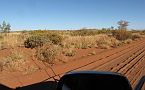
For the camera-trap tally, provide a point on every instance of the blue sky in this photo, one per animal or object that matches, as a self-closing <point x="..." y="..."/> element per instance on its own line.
<point x="71" y="14"/>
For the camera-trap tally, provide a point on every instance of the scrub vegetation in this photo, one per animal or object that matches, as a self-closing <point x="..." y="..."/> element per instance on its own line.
<point x="48" y="46"/>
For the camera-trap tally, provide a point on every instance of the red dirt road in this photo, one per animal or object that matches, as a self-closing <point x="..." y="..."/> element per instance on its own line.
<point x="128" y="60"/>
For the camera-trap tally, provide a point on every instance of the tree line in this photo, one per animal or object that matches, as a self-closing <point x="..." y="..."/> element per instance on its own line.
<point x="6" y="27"/>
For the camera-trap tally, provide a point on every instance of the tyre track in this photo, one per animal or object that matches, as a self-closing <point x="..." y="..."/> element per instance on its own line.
<point x="117" y="60"/>
<point x="100" y="57"/>
<point x="128" y="60"/>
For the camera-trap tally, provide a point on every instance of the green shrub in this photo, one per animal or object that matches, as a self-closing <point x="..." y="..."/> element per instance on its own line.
<point x="121" y="34"/>
<point x="35" y="41"/>
<point x="47" y="53"/>
<point x="55" y="38"/>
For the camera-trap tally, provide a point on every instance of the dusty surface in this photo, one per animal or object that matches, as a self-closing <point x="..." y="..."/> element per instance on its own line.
<point x="128" y="60"/>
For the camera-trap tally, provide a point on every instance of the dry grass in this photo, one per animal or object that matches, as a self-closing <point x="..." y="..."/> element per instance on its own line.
<point x="69" y="52"/>
<point x="105" y="42"/>
<point x="49" y="52"/>
<point x="128" y="41"/>
<point x="11" y="40"/>
<point x="137" y="36"/>
<point x="121" y="34"/>
<point x="79" y="42"/>
<point x="83" y="42"/>
<point x="13" y="62"/>
<point x="16" y="61"/>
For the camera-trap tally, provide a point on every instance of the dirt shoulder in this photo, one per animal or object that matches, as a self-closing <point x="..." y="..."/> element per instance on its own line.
<point x="85" y="59"/>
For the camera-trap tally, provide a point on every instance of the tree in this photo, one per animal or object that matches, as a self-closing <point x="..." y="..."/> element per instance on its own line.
<point x="112" y="28"/>
<point x="8" y="28"/>
<point x="123" y="24"/>
<point x="5" y="28"/>
<point x="0" y="29"/>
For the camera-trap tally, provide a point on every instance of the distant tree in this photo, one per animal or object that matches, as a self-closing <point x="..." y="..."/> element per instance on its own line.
<point x="5" y="28"/>
<point x="104" y="29"/>
<point x="8" y="28"/>
<point x="112" y="28"/>
<point x="123" y="25"/>
<point x="0" y="29"/>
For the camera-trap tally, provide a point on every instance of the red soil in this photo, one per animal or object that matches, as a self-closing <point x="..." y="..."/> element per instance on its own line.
<point x="128" y="60"/>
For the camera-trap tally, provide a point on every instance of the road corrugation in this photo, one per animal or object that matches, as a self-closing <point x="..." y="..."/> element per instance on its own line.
<point x="128" y="60"/>
<point x="123" y="61"/>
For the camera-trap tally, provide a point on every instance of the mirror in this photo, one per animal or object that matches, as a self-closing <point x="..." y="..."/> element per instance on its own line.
<point x="91" y="80"/>
<point x="141" y="84"/>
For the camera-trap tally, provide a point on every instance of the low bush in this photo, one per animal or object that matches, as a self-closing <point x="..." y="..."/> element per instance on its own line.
<point x="136" y="36"/>
<point x="104" y="31"/>
<point x="143" y="32"/>
<point x="128" y="41"/>
<point x="47" y="53"/>
<point x="39" y="32"/>
<point x="103" y="44"/>
<point x="106" y="42"/>
<point x="121" y="34"/>
<point x="55" y="38"/>
<point x="35" y="41"/>
<point x="13" y="62"/>
<point x="69" y="52"/>
<point x="17" y="61"/>
<point x="84" y="32"/>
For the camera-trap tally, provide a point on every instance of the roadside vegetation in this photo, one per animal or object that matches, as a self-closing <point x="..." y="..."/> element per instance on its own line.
<point x="50" y="45"/>
<point x="16" y="61"/>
